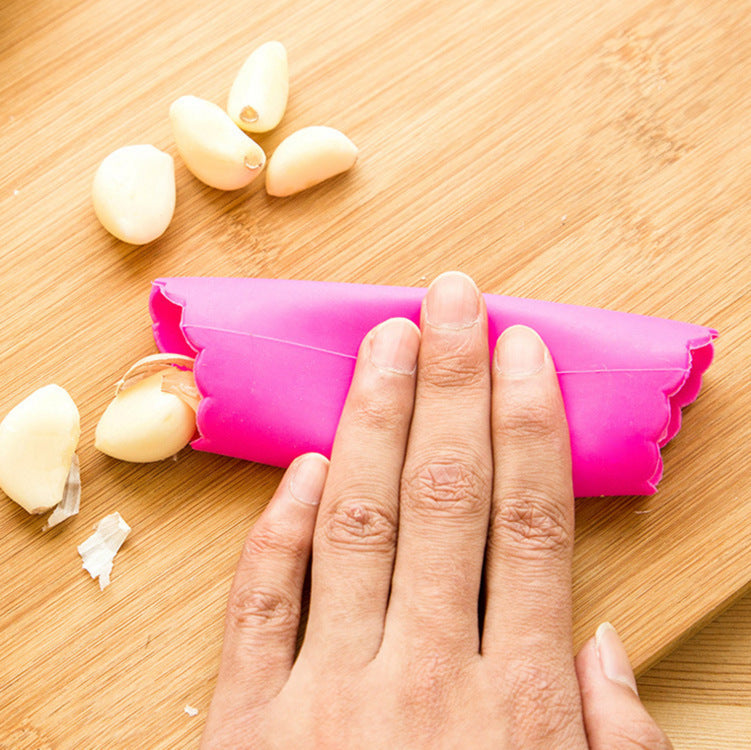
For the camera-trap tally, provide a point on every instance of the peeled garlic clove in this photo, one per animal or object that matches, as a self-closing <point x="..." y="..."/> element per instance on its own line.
<point x="307" y="157"/>
<point x="258" y="96"/>
<point x="144" y="423"/>
<point x="134" y="193"/>
<point x="38" y="439"/>
<point x="213" y="148"/>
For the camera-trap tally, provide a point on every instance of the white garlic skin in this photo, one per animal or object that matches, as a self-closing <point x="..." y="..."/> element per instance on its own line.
<point x="134" y="193"/>
<point x="38" y="438"/>
<point x="144" y="424"/>
<point x="307" y="157"/>
<point x="258" y="97"/>
<point x="213" y="148"/>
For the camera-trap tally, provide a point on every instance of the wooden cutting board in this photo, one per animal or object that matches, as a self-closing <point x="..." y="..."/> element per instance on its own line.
<point x="593" y="153"/>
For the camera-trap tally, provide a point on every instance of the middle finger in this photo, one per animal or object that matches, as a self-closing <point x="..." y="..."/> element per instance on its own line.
<point x="447" y="477"/>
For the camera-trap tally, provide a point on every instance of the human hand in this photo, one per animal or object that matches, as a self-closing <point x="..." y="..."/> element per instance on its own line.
<point x="446" y="471"/>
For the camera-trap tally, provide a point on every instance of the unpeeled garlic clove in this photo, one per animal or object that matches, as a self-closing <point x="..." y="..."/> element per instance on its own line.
<point x="258" y="96"/>
<point x="38" y="439"/>
<point x="307" y="157"/>
<point x="213" y="148"/>
<point x="134" y="193"/>
<point x="177" y="376"/>
<point x="144" y="423"/>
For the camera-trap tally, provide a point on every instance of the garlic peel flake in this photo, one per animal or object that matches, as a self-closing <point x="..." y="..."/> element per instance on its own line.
<point x="71" y="502"/>
<point x="151" y="365"/>
<point x="99" y="550"/>
<point x="181" y="383"/>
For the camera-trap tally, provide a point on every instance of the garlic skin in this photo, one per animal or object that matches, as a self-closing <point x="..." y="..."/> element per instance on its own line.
<point x="99" y="550"/>
<point x="156" y="363"/>
<point x="70" y="503"/>
<point x="307" y="157"/>
<point x="38" y="439"/>
<point x="134" y="193"/>
<point x="213" y="148"/>
<point x="258" y="97"/>
<point x="144" y="424"/>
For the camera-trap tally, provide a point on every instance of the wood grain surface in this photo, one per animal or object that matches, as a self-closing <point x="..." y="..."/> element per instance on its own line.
<point x="701" y="693"/>
<point x="592" y="153"/>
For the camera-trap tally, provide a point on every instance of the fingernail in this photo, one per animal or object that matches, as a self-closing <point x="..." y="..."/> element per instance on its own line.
<point x="613" y="657"/>
<point x="453" y="301"/>
<point x="307" y="478"/>
<point x="395" y="346"/>
<point x="519" y="352"/>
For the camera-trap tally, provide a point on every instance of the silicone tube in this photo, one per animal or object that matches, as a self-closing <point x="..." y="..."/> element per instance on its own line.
<point x="274" y="360"/>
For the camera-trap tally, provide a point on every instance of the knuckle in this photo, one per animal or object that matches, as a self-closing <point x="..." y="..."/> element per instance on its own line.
<point x="280" y="541"/>
<point x="425" y="684"/>
<point x="378" y="410"/>
<point x="543" y="706"/>
<point x="356" y="523"/>
<point x="455" y="362"/>
<point x="251" y="606"/>
<point x="523" y="420"/>
<point x="530" y="521"/>
<point x="441" y="484"/>
<point x="428" y="675"/>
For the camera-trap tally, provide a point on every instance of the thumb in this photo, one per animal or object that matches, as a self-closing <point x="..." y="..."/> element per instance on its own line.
<point x="614" y="717"/>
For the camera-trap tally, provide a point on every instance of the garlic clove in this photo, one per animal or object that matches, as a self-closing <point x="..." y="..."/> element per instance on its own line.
<point x="134" y="193"/>
<point x="38" y="439"/>
<point x="143" y="423"/>
<point x="307" y="157"/>
<point x="213" y="148"/>
<point x="258" y="96"/>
